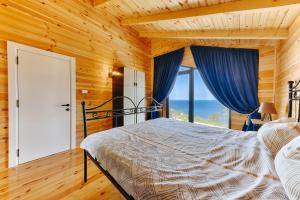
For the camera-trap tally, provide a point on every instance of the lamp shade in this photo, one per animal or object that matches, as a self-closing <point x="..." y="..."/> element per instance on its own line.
<point x="267" y="107"/>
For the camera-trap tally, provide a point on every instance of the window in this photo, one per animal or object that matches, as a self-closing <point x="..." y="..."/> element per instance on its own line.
<point x="208" y="109"/>
<point x="179" y="99"/>
<point x="190" y="100"/>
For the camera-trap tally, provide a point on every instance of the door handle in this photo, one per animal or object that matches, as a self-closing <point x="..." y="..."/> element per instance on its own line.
<point x="66" y="105"/>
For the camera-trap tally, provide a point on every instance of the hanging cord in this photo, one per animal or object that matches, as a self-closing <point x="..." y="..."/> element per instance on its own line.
<point x="253" y="111"/>
<point x="248" y="116"/>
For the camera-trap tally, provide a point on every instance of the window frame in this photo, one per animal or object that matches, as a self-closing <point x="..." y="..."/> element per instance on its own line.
<point x="190" y="72"/>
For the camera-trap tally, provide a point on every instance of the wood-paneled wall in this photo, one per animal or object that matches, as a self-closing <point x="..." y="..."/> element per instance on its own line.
<point x="288" y="67"/>
<point x="267" y="63"/>
<point x="76" y="29"/>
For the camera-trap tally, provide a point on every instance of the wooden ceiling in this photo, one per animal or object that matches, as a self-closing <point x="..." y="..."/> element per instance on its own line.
<point x="205" y="19"/>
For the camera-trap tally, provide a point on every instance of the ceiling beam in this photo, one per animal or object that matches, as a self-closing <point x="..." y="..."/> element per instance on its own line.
<point x="99" y="2"/>
<point x="235" y="6"/>
<point x="267" y="34"/>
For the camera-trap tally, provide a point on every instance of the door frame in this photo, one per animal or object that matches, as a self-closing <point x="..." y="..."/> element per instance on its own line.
<point x="12" y="61"/>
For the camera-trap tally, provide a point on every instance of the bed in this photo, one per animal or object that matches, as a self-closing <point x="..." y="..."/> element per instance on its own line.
<point x="169" y="159"/>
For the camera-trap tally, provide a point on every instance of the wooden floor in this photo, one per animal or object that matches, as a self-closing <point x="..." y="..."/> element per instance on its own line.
<point x="56" y="177"/>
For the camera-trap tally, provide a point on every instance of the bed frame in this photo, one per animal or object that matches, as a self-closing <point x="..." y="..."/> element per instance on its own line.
<point x="95" y="113"/>
<point x="98" y="113"/>
<point x="294" y="98"/>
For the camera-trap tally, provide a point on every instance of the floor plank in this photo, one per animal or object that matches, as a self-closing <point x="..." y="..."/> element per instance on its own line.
<point x="59" y="176"/>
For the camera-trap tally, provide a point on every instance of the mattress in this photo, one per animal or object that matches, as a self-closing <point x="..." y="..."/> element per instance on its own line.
<point x="169" y="159"/>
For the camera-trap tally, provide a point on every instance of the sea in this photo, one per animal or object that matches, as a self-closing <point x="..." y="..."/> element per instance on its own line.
<point x="202" y="108"/>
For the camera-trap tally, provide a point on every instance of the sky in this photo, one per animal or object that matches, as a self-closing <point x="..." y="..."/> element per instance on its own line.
<point x="181" y="88"/>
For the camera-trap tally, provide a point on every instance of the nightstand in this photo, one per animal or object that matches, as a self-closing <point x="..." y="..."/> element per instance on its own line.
<point x="258" y="123"/>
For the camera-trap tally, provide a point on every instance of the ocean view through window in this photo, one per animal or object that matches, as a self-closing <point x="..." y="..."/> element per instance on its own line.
<point x="206" y="109"/>
<point x="179" y="99"/>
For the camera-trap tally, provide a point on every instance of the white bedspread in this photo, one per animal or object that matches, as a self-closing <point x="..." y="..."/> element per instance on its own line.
<point x="169" y="159"/>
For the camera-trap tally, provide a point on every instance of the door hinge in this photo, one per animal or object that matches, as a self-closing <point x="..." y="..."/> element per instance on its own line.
<point x="18" y="152"/>
<point x="17" y="60"/>
<point x="18" y="103"/>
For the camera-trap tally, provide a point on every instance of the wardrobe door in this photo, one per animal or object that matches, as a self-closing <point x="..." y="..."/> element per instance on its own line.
<point x="140" y="79"/>
<point x="129" y="91"/>
<point x="129" y="77"/>
<point x="140" y="94"/>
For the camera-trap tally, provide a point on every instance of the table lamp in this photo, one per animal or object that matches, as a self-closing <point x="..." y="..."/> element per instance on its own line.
<point x="267" y="109"/>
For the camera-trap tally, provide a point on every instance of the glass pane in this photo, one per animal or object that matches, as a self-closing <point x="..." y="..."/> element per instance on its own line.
<point x="179" y="99"/>
<point x="183" y="68"/>
<point x="207" y="109"/>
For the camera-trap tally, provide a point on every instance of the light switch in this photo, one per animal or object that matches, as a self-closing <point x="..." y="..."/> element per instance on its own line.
<point x="84" y="91"/>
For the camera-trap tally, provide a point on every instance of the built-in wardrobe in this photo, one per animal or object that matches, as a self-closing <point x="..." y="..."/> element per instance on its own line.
<point x="130" y="83"/>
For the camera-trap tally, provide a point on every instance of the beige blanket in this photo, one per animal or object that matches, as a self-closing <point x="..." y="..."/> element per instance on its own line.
<point x="169" y="159"/>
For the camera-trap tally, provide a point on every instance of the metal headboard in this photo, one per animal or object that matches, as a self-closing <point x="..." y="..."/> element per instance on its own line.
<point x="96" y="113"/>
<point x="294" y="97"/>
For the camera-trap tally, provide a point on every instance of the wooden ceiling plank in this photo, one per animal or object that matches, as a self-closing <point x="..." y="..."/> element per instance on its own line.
<point x="99" y="2"/>
<point x="266" y="34"/>
<point x="235" y="6"/>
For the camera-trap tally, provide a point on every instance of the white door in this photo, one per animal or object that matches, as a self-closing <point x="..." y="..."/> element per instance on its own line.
<point x="129" y="92"/>
<point x="129" y="77"/>
<point x="43" y="87"/>
<point x="140" y="79"/>
<point x="140" y="94"/>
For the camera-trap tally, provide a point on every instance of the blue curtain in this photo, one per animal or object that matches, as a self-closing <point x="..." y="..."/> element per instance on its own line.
<point x="165" y="71"/>
<point x="231" y="75"/>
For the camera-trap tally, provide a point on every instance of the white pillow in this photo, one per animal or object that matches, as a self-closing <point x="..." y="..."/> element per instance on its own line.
<point x="287" y="165"/>
<point x="274" y="135"/>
